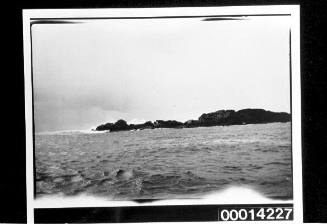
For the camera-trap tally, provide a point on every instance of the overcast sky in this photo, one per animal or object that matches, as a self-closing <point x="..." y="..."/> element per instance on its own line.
<point x="90" y="73"/>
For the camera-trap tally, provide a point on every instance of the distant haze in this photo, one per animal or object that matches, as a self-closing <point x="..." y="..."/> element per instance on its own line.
<point x="85" y="74"/>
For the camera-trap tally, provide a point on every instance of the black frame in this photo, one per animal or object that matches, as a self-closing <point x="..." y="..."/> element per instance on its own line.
<point x="313" y="91"/>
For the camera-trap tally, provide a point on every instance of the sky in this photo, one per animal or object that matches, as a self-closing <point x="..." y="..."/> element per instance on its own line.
<point x="86" y="74"/>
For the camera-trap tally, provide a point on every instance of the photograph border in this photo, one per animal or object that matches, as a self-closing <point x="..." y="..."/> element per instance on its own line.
<point x="37" y="16"/>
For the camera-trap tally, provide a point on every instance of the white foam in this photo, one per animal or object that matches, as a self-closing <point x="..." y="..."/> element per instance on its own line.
<point x="231" y="195"/>
<point x="136" y="121"/>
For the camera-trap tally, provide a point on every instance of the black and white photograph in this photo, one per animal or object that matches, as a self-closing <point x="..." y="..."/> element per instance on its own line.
<point x="162" y="106"/>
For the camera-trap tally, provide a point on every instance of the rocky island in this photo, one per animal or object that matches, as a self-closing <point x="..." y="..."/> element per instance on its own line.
<point x="218" y="118"/>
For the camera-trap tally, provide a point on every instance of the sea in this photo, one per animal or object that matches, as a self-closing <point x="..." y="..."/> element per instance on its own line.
<point x="165" y="163"/>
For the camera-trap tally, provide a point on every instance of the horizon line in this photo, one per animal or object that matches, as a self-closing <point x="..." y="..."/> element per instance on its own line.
<point x="145" y="120"/>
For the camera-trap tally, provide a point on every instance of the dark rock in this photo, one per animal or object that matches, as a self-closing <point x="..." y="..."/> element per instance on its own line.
<point x="146" y="125"/>
<point x="167" y="124"/>
<point x="246" y="116"/>
<point x="255" y="116"/>
<point x="191" y="123"/>
<point x="104" y="127"/>
<point x="120" y="125"/>
<point x="220" y="117"/>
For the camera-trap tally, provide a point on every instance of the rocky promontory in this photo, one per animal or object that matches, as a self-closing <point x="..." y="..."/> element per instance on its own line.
<point x="218" y="118"/>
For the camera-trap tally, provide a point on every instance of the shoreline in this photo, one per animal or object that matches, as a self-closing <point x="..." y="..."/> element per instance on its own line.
<point x="218" y="118"/>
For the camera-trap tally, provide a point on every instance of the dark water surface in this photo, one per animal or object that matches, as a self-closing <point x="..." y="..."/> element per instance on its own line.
<point x="166" y="163"/>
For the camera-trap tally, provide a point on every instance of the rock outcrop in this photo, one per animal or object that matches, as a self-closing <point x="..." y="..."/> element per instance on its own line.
<point x="246" y="116"/>
<point x="104" y="127"/>
<point x="220" y="117"/>
<point x="146" y="125"/>
<point x="120" y="125"/>
<point x="191" y="123"/>
<point x="167" y="124"/>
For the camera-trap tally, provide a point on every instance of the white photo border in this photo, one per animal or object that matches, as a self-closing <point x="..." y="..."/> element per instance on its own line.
<point x="32" y="15"/>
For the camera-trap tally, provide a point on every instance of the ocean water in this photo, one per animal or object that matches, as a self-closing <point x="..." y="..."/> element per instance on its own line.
<point x="165" y="163"/>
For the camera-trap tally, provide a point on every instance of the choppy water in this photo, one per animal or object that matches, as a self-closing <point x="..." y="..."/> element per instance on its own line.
<point x="166" y="163"/>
